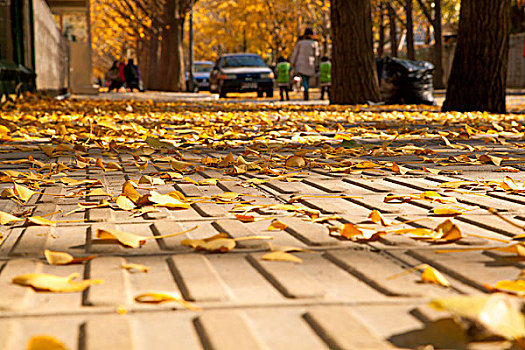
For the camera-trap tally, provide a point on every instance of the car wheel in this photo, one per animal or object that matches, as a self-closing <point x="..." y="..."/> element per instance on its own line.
<point x="260" y="93"/>
<point x="269" y="93"/>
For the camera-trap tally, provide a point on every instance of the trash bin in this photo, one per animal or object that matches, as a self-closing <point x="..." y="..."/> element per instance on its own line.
<point x="405" y="82"/>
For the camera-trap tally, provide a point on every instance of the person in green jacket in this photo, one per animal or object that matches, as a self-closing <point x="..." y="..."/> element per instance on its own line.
<point x="283" y="77"/>
<point x="325" y="72"/>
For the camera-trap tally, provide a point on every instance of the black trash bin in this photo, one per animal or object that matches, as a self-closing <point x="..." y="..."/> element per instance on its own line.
<point x="405" y="82"/>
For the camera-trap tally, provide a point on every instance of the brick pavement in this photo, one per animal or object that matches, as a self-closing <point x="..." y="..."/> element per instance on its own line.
<point x="339" y="297"/>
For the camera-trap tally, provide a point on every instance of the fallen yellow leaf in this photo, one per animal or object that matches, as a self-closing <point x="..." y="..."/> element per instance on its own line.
<point x="6" y="218"/>
<point x="282" y="256"/>
<point x="431" y="275"/>
<point x="52" y="283"/>
<point x="45" y="342"/>
<point x="276" y="225"/>
<point x="63" y="258"/>
<point x="157" y="298"/>
<point x="135" y="267"/>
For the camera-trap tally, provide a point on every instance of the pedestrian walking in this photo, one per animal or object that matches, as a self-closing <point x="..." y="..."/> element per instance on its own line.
<point x="132" y="76"/>
<point x="112" y="77"/>
<point x="305" y="59"/>
<point x="283" y="69"/>
<point x="325" y="76"/>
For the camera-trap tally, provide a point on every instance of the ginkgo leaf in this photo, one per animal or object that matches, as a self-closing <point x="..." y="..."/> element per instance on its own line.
<point x="488" y="158"/>
<point x="6" y="218"/>
<point x="157" y="298"/>
<point x="100" y="164"/>
<point x="375" y="216"/>
<point x="135" y="267"/>
<point x="143" y="166"/>
<point x="432" y="171"/>
<point x="446" y="212"/>
<point x="125" y="238"/>
<point x="227" y="196"/>
<point x="277" y="225"/>
<point x="295" y="162"/>
<point x="98" y="192"/>
<point x="52" y="283"/>
<point x="167" y="201"/>
<point x="517" y="286"/>
<point x="38" y="220"/>
<point x="518" y="249"/>
<point x="114" y="166"/>
<point x="158" y="144"/>
<point x="498" y="313"/>
<point x="431" y="275"/>
<point x="129" y="191"/>
<point x="125" y="203"/>
<point x="208" y="182"/>
<point x="284" y="248"/>
<point x="23" y="193"/>
<point x="45" y="342"/>
<point x="397" y="169"/>
<point x="355" y="232"/>
<point x="245" y="218"/>
<point x="282" y="256"/>
<point x="63" y="258"/>
<point x="217" y="245"/>
<point x="227" y="161"/>
<point x="178" y="165"/>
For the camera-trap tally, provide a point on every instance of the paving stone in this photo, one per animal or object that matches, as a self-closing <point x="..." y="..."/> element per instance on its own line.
<point x="33" y="241"/>
<point x="236" y="229"/>
<point x="380" y="277"/>
<point x="114" y="290"/>
<point x="288" y="278"/>
<point x="14" y="297"/>
<point x="97" y="335"/>
<point x="472" y="268"/>
<point x="338" y="328"/>
<point x="197" y="278"/>
<point x="100" y="215"/>
<point x="311" y="234"/>
<point x="216" y="326"/>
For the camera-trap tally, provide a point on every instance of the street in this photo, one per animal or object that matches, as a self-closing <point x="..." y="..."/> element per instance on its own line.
<point x="300" y="262"/>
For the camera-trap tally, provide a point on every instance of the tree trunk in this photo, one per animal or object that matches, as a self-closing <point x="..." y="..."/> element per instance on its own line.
<point x="353" y="63"/>
<point x="152" y="82"/>
<point x="439" y="79"/>
<point x="167" y="67"/>
<point x="381" y="44"/>
<point x="479" y="71"/>
<point x="409" y="7"/>
<point x="393" y="31"/>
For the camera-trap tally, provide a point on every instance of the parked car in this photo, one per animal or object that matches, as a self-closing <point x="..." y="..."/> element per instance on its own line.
<point x="241" y="72"/>
<point x="201" y="76"/>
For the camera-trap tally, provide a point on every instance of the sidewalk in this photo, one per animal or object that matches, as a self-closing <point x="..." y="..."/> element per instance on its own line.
<point x="340" y="295"/>
<point x="158" y="96"/>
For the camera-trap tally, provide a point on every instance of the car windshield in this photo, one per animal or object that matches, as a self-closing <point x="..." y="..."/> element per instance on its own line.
<point x="243" y="61"/>
<point x="202" y="68"/>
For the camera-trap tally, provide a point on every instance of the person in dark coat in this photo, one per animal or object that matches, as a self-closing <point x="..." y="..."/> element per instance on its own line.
<point x="132" y="76"/>
<point x="112" y="77"/>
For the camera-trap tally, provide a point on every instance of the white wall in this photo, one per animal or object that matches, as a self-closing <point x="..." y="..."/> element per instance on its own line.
<point x="50" y="50"/>
<point x="516" y="70"/>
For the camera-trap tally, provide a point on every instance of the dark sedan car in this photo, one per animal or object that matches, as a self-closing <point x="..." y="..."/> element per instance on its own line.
<point x="241" y="73"/>
<point x="201" y="76"/>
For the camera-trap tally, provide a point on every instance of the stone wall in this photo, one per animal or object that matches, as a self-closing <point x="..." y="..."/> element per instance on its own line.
<point x="51" y="51"/>
<point x="516" y="72"/>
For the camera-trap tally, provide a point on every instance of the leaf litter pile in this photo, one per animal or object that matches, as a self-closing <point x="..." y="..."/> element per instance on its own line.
<point x="160" y="146"/>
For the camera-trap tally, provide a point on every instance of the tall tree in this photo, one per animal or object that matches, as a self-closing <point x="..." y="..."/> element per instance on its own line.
<point x="409" y="9"/>
<point x="435" y="19"/>
<point x="354" y="71"/>
<point x="479" y="71"/>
